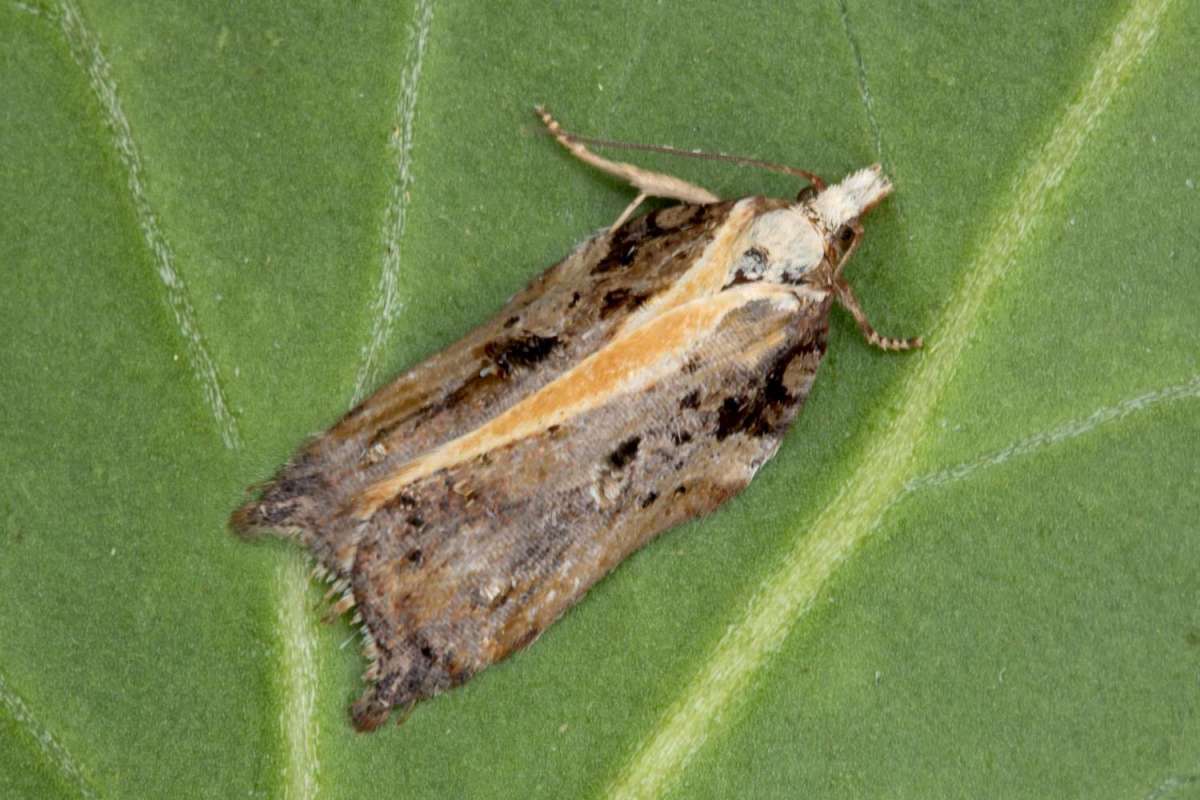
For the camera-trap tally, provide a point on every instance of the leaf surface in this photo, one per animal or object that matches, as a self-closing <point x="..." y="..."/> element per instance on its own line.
<point x="969" y="571"/>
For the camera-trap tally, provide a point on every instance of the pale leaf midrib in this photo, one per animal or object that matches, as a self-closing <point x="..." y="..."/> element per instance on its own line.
<point x="882" y="471"/>
<point x="298" y="680"/>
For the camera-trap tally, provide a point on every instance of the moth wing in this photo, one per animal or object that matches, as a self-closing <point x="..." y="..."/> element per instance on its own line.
<point x="471" y="550"/>
<point x="568" y="312"/>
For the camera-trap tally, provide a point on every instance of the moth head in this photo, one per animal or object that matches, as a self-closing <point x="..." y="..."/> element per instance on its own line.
<point x="845" y="202"/>
<point x="839" y="208"/>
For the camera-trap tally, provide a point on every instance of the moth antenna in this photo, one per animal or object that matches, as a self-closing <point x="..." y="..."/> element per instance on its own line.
<point x="742" y="161"/>
<point x="846" y="296"/>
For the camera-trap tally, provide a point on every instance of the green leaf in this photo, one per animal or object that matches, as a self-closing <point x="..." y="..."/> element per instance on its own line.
<point x="969" y="571"/>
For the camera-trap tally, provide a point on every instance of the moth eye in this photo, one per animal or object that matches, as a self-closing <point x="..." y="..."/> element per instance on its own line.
<point x="806" y="194"/>
<point x="845" y="234"/>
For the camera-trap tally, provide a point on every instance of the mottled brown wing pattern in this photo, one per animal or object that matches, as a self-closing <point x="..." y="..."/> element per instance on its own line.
<point x="569" y="311"/>
<point x="467" y="564"/>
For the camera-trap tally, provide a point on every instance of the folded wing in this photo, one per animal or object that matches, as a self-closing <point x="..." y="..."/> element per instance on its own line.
<point x="474" y="547"/>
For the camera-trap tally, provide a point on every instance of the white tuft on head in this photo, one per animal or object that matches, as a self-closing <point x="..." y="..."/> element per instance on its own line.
<point x="857" y="193"/>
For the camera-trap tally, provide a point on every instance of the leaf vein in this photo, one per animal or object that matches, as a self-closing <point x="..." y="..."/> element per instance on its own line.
<point x="1061" y="433"/>
<point x="388" y="306"/>
<point x="52" y="750"/>
<point x="298" y="675"/>
<point x="864" y="88"/>
<point x="85" y="49"/>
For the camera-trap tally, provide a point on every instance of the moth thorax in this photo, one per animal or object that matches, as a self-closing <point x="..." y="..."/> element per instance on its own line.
<point x="781" y="247"/>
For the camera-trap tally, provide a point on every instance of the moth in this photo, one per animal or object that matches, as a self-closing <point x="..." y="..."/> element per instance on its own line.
<point x="640" y="382"/>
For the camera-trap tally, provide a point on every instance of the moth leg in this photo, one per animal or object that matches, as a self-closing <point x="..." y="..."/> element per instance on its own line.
<point x="845" y="296"/>
<point x="628" y="212"/>
<point x="648" y="184"/>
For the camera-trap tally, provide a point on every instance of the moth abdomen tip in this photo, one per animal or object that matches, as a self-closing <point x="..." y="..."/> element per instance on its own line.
<point x="369" y="711"/>
<point x="258" y="518"/>
<point x="246" y="522"/>
<point x="284" y="506"/>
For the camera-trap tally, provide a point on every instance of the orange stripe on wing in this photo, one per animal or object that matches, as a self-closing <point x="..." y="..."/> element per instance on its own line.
<point x="628" y="363"/>
<point x="708" y="274"/>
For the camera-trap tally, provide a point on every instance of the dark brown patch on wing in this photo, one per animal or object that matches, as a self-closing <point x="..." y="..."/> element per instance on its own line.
<point x="625" y="452"/>
<point x="762" y="409"/>
<point x="525" y="351"/>
<point x="622" y="250"/>
<point x="622" y="297"/>
<point x="668" y="226"/>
